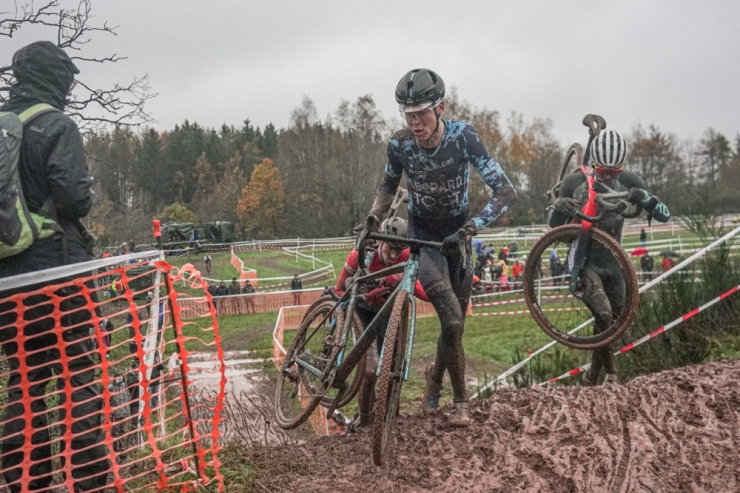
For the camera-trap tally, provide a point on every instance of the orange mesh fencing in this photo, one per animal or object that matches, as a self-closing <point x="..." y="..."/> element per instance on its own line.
<point x="86" y="400"/>
<point x="244" y="273"/>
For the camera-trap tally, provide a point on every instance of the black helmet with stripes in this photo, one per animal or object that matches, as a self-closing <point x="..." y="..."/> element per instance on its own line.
<point x="609" y="149"/>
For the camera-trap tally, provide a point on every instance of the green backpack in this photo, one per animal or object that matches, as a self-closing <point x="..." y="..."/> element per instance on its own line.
<point x="19" y="227"/>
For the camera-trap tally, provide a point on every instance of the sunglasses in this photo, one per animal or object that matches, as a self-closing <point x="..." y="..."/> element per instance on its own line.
<point x="607" y="173"/>
<point x="419" y="115"/>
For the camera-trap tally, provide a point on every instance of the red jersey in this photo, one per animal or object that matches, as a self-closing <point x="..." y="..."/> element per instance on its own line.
<point x="516" y="270"/>
<point x="351" y="265"/>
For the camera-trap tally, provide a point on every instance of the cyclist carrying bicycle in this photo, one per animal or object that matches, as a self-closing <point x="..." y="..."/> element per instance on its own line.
<point x="375" y="295"/>
<point x="603" y="281"/>
<point x="436" y="156"/>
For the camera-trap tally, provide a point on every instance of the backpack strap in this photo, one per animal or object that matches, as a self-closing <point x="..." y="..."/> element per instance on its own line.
<point x="50" y="225"/>
<point x="30" y="114"/>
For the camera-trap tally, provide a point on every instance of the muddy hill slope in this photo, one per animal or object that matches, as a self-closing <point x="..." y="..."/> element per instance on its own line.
<point x="677" y="430"/>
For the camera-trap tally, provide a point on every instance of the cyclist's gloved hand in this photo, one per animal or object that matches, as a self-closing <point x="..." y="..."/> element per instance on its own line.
<point x="453" y="244"/>
<point x="369" y="225"/>
<point x="378" y="296"/>
<point x="637" y="196"/>
<point x="568" y="206"/>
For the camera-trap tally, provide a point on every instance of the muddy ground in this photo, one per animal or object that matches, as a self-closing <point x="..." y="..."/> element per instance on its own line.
<point x="674" y="431"/>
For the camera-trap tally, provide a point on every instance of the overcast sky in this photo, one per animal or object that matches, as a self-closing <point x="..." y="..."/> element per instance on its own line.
<point x="673" y="63"/>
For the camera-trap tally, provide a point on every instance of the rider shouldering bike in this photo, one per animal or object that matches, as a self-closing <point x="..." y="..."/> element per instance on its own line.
<point x="603" y="281"/>
<point x="436" y="156"/>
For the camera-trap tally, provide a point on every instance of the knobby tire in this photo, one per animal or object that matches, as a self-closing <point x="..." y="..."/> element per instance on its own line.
<point x="284" y="420"/>
<point x="390" y="380"/>
<point x="570" y="232"/>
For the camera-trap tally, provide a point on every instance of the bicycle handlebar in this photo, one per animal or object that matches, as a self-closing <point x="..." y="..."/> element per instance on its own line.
<point x="405" y="241"/>
<point x="619" y="207"/>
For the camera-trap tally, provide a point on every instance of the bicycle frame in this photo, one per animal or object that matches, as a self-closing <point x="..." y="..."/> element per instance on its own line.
<point x="410" y="268"/>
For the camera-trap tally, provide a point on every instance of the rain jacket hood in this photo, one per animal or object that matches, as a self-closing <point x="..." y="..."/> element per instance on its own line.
<point x="43" y="74"/>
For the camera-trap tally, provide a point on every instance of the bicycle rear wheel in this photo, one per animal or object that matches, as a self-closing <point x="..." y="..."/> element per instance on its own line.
<point x="573" y="160"/>
<point x="299" y="391"/>
<point x="557" y="311"/>
<point x="390" y="379"/>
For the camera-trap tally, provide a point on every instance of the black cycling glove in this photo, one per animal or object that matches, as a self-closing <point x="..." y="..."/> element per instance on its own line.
<point x="453" y="244"/>
<point x="568" y="206"/>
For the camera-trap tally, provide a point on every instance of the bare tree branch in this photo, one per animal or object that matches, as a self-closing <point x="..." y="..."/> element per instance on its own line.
<point x="74" y="28"/>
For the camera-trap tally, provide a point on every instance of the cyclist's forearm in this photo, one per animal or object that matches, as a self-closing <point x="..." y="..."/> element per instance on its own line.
<point x="504" y="196"/>
<point x="384" y="196"/>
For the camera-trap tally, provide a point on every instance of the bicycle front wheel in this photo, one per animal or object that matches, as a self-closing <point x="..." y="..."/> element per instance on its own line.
<point x="390" y="379"/>
<point x="558" y="311"/>
<point x="299" y="388"/>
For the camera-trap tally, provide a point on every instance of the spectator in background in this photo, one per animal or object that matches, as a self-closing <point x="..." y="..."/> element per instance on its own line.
<point x="556" y="271"/>
<point x="503" y="277"/>
<point x="222" y="290"/>
<point x="503" y="254"/>
<point x="54" y="176"/>
<point x="207" y="260"/>
<point x="538" y="269"/>
<point x="233" y="288"/>
<point x="249" y="289"/>
<point x="643" y="237"/>
<point x="666" y="264"/>
<point x="212" y="289"/>
<point x="646" y="264"/>
<point x="513" y="249"/>
<point x="516" y="273"/>
<point x="488" y="276"/>
<point x="296" y="285"/>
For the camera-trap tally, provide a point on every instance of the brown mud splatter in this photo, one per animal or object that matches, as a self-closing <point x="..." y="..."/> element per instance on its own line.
<point x="672" y="431"/>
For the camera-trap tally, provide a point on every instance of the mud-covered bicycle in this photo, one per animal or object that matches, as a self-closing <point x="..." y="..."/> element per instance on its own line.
<point x="324" y="363"/>
<point x="561" y="315"/>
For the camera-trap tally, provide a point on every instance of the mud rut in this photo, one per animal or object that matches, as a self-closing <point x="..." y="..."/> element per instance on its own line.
<point x="674" y="431"/>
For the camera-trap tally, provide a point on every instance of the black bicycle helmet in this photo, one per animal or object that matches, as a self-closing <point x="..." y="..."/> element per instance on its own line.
<point x="396" y="226"/>
<point x="609" y="149"/>
<point x="420" y="86"/>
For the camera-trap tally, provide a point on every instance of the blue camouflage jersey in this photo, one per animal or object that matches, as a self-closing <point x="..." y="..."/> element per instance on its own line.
<point x="438" y="180"/>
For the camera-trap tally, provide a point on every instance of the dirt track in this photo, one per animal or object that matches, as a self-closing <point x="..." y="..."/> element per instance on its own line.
<point x="674" y="431"/>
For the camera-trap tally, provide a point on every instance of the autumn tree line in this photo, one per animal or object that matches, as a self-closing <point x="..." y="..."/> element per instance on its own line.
<point x="317" y="177"/>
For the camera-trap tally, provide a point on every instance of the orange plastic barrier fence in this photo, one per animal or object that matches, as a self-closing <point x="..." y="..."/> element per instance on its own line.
<point x="87" y="401"/>
<point x="238" y="264"/>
